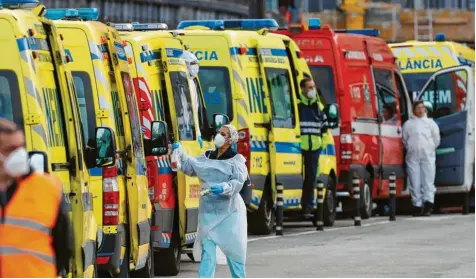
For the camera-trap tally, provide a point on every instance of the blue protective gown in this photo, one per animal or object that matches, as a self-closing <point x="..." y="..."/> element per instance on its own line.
<point x="222" y="218"/>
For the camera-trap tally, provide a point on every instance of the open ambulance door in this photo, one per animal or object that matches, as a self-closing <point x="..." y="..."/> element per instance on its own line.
<point x="451" y="94"/>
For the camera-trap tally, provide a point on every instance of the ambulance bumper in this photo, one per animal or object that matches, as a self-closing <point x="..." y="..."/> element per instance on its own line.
<point x="109" y="252"/>
<point x="162" y="223"/>
<point x="344" y="188"/>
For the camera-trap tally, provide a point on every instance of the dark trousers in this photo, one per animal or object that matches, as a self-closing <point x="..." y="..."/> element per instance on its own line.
<point x="311" y="159"/>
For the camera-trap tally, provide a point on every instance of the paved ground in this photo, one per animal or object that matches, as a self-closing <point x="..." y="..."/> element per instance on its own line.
<point x="439" y="246"/>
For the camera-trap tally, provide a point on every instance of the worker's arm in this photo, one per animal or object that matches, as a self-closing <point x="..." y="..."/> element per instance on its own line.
<point x="63" y="242"/>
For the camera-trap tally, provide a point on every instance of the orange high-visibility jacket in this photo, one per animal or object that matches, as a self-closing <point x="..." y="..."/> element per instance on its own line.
<point x="25" y="228"/>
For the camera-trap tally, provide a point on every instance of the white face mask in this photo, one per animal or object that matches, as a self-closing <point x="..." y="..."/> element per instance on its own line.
<point x="16" y="164"/>
<point x="193" y="70"/>
<point x="219" y="141"/>
<point x="311" y="94"/>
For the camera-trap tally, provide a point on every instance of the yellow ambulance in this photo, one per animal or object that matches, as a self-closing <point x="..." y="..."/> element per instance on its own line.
<point x="36" y="92"/>
<point x="252" y="77"/>
<point x="162" y="86"/>
<point x="113" y="139"/>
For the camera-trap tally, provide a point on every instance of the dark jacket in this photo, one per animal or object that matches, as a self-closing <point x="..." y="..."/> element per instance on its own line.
<point x="313" y="123"/>
<point x="62" y="232"/>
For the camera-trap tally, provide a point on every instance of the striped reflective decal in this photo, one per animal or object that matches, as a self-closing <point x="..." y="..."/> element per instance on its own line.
<point x="25" y="223"/>
<point x="8" y="250"/>
<point x="372" y="129"/>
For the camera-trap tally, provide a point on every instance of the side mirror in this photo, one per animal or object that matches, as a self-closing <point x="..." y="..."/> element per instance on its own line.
<point x="428" y="105"/>
<point x="220" y="120"/>
<point x="106" y="147"/>
<point x="160" y="139"/>
<point x="332" y="112"/>
<point x="39" y="161"/>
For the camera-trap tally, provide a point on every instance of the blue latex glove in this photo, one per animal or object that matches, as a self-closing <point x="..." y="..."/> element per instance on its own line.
<point x="200" y="141"/>
<point x="216" y="189"/>
<point x="175" y="145"/>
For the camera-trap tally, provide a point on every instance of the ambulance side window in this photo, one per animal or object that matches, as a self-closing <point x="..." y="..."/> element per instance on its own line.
<point x="202" y="112"/>
<point x="387" y="100"/>
<point x="10" y="103"/>
<point x="402" y="98"/>
<point x="183" y="105"/>
<point x="279" y="87"/>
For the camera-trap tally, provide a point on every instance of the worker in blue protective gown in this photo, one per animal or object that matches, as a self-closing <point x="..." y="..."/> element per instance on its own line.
<point x="222" y="212"/>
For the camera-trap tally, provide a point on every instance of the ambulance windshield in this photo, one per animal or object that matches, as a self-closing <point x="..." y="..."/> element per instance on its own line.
<point x="215" y="84"/>
<point x="324" y="79"/>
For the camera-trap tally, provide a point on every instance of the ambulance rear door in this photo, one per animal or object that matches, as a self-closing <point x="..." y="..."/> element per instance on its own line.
<point x="451" y="93"/>
<point x="284" y="139"/>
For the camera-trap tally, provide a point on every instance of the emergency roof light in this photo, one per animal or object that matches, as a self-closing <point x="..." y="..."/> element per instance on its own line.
<point x="136" y="26"/>
<point x="19" y="4"/>
<point x="365" y="32"/>
<point x="440" y="37"/>
<point x="233" y="24"/>
<point x="82" y="13"/>
<point x="314" y="23"/>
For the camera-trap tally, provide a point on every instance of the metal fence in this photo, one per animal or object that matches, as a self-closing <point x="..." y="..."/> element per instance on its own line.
<point x="167" y="11"/>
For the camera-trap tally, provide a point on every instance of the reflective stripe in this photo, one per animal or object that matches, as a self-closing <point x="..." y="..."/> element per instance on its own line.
<point x="8" y="250"/>
<point x="25" y="223"/>
<point x="311" y="131"/>
<point x="310" y="124"/>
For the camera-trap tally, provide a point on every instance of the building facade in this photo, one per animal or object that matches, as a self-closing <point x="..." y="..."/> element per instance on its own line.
<point x="167" y="11"/>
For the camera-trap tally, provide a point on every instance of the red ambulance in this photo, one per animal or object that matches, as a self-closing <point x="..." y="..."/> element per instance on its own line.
<point x="357" y="70"/>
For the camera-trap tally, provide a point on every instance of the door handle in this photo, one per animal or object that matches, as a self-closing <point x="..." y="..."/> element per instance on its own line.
<point x="399" y="131"/>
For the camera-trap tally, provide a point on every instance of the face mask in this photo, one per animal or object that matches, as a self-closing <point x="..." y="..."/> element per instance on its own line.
<point x="219" y="141"/>
<point x="16" y="164"/>
<point x="193" y="70"/>
<point x="311" y="94"/>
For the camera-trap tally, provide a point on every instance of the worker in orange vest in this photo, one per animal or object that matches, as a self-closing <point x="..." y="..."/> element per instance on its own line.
<point x="35" y="232"/>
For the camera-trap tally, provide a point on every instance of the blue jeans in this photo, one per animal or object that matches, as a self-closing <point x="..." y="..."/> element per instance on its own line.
<point x="311" y="159"/>
<point x="209" y="261"/>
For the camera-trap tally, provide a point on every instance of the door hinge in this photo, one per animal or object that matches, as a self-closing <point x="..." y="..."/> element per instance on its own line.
<point x="102" y="113"/>
<point x="32" y="119"/>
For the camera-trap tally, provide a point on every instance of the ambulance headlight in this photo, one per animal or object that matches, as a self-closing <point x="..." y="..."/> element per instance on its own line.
<point x="314" y="23"/>
<point x="19" y="4"/>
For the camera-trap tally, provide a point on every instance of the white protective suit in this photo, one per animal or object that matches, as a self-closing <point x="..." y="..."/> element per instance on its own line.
<point x="421" y="137"/>
<point x="222" y="218"/>
<point x="193" y="72"/>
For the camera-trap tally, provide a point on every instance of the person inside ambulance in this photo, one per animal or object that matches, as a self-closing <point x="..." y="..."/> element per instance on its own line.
<point x="388" y="113"/>
<point x="222" y="212"/>
<point x="313" y="123"/>
<point x="35" y="232"/>
<point x="193" y="67"/>
<point x="421" y="137"/>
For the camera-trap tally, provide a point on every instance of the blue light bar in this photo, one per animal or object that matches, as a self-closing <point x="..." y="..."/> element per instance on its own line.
<point x="233" y="24"/>
<point x="18" y="4"/>
<point x="82" y="13"/>
<point x="136" y="26"/>
<point x="314" y="23"/>
<point x="440" y="37"/>
<point x="365" y="32"/>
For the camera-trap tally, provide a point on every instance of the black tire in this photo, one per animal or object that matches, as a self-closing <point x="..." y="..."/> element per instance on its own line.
<point x="466" y="203"/>
<point x="261" y="222"/>
<point x="124" y="273"/>
<point x="148" y="270"/>
<point x="167" y="261"/>
<point x="366" y="201"/>
<point x="330" y="203"/>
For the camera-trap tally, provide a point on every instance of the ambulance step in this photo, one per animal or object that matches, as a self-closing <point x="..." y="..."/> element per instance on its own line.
<point x="187" y="250"/>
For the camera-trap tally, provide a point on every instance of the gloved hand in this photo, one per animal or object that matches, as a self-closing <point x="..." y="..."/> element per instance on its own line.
<point x="175" y="145"/>
<point x="216" y="189"/>
<point x="200" y="141"/>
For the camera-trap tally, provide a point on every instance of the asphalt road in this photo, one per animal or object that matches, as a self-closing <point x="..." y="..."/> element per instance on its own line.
<point x="438" y="246"/>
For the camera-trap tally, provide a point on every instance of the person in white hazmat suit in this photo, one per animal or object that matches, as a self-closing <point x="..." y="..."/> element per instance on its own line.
<point x="421" y="137"/>
<point x="193" y="67"/>
<point x="222" y="212"/>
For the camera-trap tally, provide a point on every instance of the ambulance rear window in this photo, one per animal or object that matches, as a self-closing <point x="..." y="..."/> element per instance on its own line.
<point x="10" y="104"/>
<point x="82" y="84"/>
<point x="215" y="83"/>
<point x="281" y="101"/>
<point x="324" y="79"/>
<point x="133" y="114"/>
<point x="415" y="82"/>
<point x="183" y="105"/>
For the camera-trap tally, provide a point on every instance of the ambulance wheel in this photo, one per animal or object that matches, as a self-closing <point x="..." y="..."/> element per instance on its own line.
<point x="168" y="259"/>
<point x="466" y="203"/>
<point x="148" y="270"/>
<point x="330" y="203"/>
<point x="366" y="198"/>
<point x="261" y="222"/>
